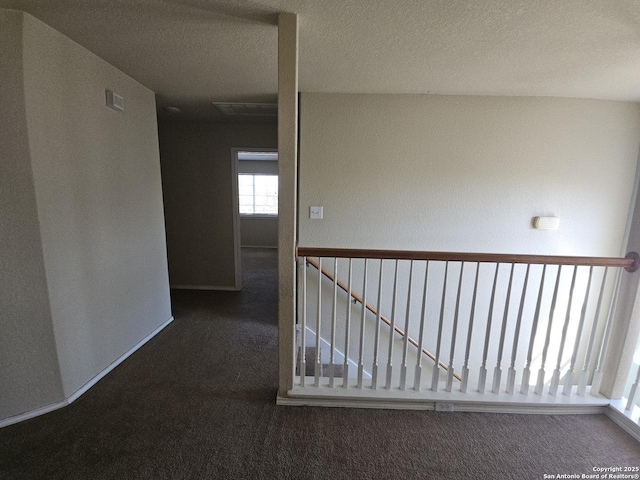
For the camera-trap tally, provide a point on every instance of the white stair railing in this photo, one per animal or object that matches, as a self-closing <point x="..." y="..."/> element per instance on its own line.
<point x="496" y="309"/>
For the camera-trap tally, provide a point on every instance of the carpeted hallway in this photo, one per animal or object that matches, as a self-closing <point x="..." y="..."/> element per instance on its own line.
<point x="198" y="402"/>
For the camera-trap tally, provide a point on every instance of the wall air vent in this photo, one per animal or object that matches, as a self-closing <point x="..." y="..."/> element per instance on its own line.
<point x="114" y="100"/>
<point x="252" y="109"/>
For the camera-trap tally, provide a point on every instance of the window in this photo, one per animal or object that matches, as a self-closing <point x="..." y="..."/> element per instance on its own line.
<point x="258" y="194"/>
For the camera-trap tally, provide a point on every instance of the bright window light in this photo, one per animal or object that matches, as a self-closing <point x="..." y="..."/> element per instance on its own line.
<point x="258" y="194"/>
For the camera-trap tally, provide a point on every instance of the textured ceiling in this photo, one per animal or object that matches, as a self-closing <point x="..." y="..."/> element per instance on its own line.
<point x="192" y="52"/>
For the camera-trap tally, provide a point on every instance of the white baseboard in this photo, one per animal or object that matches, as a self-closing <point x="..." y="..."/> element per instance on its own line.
<point x="33" y="413"/>
<point x="624" y="421"/>
<point x="478" y="407"/>
<point x="73" y="397"/>
<point x="224" y="288"/>
<point x="454" y="401"/>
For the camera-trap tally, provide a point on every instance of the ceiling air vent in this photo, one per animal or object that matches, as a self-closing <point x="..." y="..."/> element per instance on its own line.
<point x="254" y="109"/>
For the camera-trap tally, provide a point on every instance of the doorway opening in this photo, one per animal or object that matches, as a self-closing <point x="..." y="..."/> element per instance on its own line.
<point x="255" y="193"/>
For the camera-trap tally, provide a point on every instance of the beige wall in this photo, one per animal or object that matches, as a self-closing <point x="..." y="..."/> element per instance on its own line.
<point x="466" y="173"/>
<point x="288" y="110"/>
<point x="86" y="255"/>
<point x="29" y="374"/>
<point x="197" y="186"/>
<point x="266" y="167"/>
<point x="259" y="232"/>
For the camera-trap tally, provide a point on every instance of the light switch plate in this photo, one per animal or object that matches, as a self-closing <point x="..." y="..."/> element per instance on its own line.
<point x="315" y="213"/>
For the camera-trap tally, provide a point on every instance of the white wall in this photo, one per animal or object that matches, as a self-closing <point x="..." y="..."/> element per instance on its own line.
<point x="626" y="327"/>
<point x="85" y="200"/>
<point x="29" y="374"/>
<point x="97" y="179"/>
<point x="198" y="199"/>
<point x="466" y="173"/>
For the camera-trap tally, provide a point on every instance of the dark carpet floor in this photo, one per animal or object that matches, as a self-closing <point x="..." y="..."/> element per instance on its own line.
<point x="198" y="402"/>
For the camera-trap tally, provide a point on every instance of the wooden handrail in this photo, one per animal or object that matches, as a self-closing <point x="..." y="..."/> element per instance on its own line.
<point x="630" y="263"/>
<point x="358" y="298"/>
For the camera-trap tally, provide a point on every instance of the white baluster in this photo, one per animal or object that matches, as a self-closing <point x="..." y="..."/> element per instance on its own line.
<point x="555" y="378"/>
<point x="334" y="314"/>
<point x="303" y="329"/>
<point x="418" y="375"/>
<point x="376" y="346"/>
<point x="584" y="374"/>
<point x="483" y="368"/>
<point x="497" y="372"/>
<point x="526" y="373"/>
<point x="632" y="392"/>
<point x="318" y="365"/>
<point x="435" y="377"/>
<point x="465" y="367"/>
<point x="545" y="350"/>
<point x="347" y="329"/>
<point x="392" y="327"/>
<point x="568" y="378"/>
<point x="362" y="324"/>
<point x="597" y="375"/>
<point x="405" y="345"/>
<point x="511" y="375"/>
<point x="454" y="333"/>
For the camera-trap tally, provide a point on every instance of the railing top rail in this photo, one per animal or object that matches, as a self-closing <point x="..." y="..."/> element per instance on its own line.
<point x="631" y="262"/>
